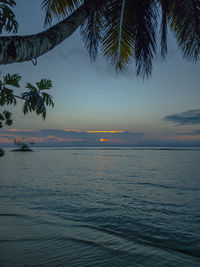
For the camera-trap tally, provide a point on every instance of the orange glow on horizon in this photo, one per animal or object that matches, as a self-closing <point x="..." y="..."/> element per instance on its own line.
<point x="4" y="140"/>
<point x="120" y="131"/>
<point x="18" y="130"/>
<point x="13" y="130"/>
<point x="104" y="140"/>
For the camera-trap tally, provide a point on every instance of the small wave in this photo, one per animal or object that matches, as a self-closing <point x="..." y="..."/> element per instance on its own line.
<point x="92" y="243"/>
<point x="156" y="185"/>
<point x="12" y="215"/>
<point x="158" y="243"/>
<point x="105" y="230"/>
<point x="32" y="240"/>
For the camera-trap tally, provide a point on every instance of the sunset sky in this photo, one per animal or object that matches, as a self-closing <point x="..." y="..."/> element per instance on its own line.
<point x="94" y="107"/>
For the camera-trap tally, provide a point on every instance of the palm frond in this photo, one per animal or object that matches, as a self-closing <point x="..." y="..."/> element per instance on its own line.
<point x="185" y="23"/>
<point x="131" y="33"/>
<point x="59" y="9"/>
<point x="47" y="99"/>
<point x="120" y="31"/>
<point x="126" y="29"/>
<point x="6" y="94"/>
<point x="8" y="2"/>
<point x="165" y="7"/>
<point x="144" y="22"/>
<point x="7" y="97"/>
<point x="35" y="101"/>
<point x="44" y="84"/>
<point x="7" y="114"/>
<point x="6" y="117"/>
<point x="7" y="16"/>
<point x="31" y="87"/>
<point x="91" y="32"/>
<point x="118" y="43"/>
<point x="13" y="79"/>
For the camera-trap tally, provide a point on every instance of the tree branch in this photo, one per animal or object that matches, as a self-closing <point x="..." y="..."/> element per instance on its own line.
<point x="28" y="47"/>
<point x="25" y="48"/>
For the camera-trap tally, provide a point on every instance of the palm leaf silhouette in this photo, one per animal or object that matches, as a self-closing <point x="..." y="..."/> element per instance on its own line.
<point x="59" y="9"/>
<point x="126" y="30"/>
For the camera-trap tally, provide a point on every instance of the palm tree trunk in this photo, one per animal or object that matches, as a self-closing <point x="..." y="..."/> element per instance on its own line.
<point x="24" y="48"/>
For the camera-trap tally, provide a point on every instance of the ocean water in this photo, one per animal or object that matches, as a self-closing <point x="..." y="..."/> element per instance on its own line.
<point x="100" y="207"/>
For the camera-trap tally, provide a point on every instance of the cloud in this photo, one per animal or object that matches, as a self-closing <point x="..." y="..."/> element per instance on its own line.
<point x="195" y="132"/>
<point x="185" y="118"/>
<point x="185" y="138"/>
<point x="60" y="139"/>
<point x="95" y="138"/>
<point x="69" y="137"/>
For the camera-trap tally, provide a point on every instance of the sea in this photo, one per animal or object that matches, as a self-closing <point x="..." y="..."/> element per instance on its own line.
<point x="100" y="207"/>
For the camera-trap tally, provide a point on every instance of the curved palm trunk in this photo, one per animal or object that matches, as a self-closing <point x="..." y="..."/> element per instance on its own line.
<point x="24" y="48"/>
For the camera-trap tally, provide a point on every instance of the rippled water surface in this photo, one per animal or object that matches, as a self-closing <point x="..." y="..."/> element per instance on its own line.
<point x="94" y="207"/>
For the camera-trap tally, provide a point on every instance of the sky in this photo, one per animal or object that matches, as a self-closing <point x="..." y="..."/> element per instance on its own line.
<point x="94" y="107"/>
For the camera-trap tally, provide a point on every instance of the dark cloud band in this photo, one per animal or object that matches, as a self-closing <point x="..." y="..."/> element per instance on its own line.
<point x="77" y="138"/>
<point x="185" y="118"/>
